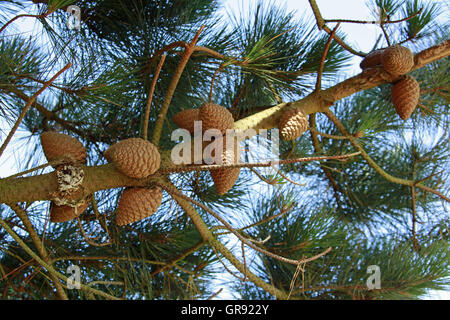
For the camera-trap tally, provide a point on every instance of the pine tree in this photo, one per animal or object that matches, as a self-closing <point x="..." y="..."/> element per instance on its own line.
<point x="359" y="192"/>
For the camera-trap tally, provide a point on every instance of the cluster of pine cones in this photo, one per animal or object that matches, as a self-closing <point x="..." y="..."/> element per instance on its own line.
<point x="214" y="116"/>
<point x="134" y="157"/>
<point x="397" y="60"/>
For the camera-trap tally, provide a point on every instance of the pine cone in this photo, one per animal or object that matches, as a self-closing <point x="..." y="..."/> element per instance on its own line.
<point x="397" y="60"/>
<point x="185" y="119"/>
<point x="61" y="146"/>
<point x="138" y="203"/>
<point x="224" y="179"/>
<point x="372" y="59"/>
<point x="134" y="157"/>
<point x="293" y="124"/>
<point x="405" y="95"/>
<point x="66" y="213"/>
<point x="214" y="116"/>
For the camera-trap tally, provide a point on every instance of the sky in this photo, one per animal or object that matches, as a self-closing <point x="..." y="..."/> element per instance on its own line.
<point x="360" y="36"/>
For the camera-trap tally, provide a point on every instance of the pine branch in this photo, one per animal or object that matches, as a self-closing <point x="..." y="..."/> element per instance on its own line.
<point x="29" y="104"/>
<point x="24" y="246"/>
<point x="171" y="89"/>
<point x="375" y="166"/>
<point x="321" y="101"/>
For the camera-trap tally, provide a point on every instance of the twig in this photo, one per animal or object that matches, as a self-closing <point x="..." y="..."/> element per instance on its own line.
<point x="374" y="165"/>
<point x="165" y="171"/>
<point x="287" y="178"/>
<point x="326" y="135"/>
<point x="28" y="105"/>
<point x="322" y="26"/>
<point x="23" y="16"/>
<point x="324" y="56"/>
<point x="215" y="294"/>
<point x="39" y="246"/>
<point x="373" y="22"/>
<point x="300" y="267"/>
<point x="237" y="234"/>
<point x="244" y="261"/>
<point x="171" y="89"/>
<point x="260" y="176"/>
<point x="385" y="35"/>
<point x="90" y="241"/>
<point x="42" y="166"/>
<point x="150" y="96"/>
<point x="226" y="268"/>
<point x="48" y="266"/>
<point x="213" y="80"/>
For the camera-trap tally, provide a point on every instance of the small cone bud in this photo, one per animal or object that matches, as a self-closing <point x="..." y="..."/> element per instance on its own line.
<point x="138" y="203"/>
<point x="397" y="60"/>
<point x="214" y="116"/>
<point x="405" y="96"/>
<point x="293" y="124"/>
<point x="61" y="146"/>
<point x="371" y="60"/>
<point x="185" y="119"/>
<point x="134" y="157"/>
<point x="65" y="213"/>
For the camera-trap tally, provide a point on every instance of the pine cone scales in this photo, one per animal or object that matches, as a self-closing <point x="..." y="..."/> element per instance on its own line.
<point x="293" y="124"/>
<point x="185" y="119"/>
<point x="224" y="179"/>
<point x="397" y="60"/>
<point x="214" y="116"/>
<point x="138" y="203"/>
<point x="134" y="157"/>
<point x="61" y="146"/>
<point x="66" y="213"/>
<point x="405" y="96"/>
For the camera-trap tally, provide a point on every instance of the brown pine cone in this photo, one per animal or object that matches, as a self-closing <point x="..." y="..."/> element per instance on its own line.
<point x="224" y="179"/>
<point x="61" y="146"/>
<point x="134" y="157"/>
<point x="397" y="60"/>
<point x="372" y="59"/>
<point x="405" y="95"/>
<point x="214" y="116"/>
<point x="138" y="203"/>
<point x="65" y="213"/>
<point x="293" y="123"/>
<point x="185" y="119"/>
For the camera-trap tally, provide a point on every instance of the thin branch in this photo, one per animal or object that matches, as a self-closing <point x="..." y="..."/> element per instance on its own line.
<point x="39" y="246"/>
<point x="150" y="96"/>
<point x="322" y="26"/>
<point x="374" y="165"/>
<point x="23" y="16"/>
<point x="171" y="89"/>
<point x="49" y="267"/>
<point x="373" y="22"/>
<point x="42" y="166"/>
<point x="237" y="234"/>
<point x="385" y="35"/>
<point x="215" y="294"/>
<point x="324" y="56"/>
<point x="166" y="170"/>
<point x="29" y="104"/>
<point x="89" y="240"/>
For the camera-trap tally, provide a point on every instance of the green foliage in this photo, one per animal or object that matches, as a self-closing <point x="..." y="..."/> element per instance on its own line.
<point x="268" y="55"/>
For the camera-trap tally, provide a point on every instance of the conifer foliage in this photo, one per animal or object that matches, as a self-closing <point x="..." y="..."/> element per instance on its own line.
<point x="353" y="205"/>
